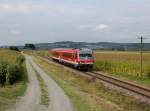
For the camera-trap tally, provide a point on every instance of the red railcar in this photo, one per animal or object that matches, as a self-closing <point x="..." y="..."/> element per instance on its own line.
<point x="78" y="58"/>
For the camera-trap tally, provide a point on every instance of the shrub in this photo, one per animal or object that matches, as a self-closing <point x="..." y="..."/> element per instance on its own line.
<point x="13" y="73"/>
<point x="10" y="73"/>
<point x="148" y="73"/>
<point x="30" y="46"/>
<point x="20" y="59"/>
<point x="3" y="71"/>
<point x="14" y="48"/>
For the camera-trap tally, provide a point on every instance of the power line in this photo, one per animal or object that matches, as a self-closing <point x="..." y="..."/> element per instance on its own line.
<point x="141" y="54"/>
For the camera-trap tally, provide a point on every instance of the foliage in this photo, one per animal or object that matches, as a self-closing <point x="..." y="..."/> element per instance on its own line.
<point x="10" y="73"/>
<point x="20" y="59"/>
<point x="43" y="53"/>
<point x="30" y="46"/>
<point x="13" y="73"/>
<point x="3" y="72"/>
<point x="10" y="93"/>
<point x="122" y="63"/>
<point x="14" y="48"/>
<point x="11" y="67"/>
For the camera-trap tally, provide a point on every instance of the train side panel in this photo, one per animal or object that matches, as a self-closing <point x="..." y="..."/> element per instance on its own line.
<point x="73" y="58"/>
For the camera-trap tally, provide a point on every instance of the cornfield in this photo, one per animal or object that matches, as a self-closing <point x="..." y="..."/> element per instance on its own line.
<point x="122" y="63"/>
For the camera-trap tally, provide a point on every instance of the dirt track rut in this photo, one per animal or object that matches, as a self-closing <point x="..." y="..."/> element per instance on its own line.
<point x="31" y="101"/>
<point x="31" y="98"/>
<point x="58" y="100"/>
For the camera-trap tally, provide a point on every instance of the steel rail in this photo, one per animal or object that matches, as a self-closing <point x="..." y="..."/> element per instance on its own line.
<point x="120" y="83"/>
<point x="130" y="86"/>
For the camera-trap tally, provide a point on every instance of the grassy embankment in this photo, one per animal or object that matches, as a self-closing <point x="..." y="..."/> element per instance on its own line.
<point x="87" y="95"/>
<point x="9" y="93"/>
<point x="43" y="53"/>
<point x="124" y="64"/>
<point x="40" y="52"/>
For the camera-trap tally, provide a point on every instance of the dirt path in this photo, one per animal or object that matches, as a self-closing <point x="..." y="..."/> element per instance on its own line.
<point x="58" y="100"/>
<point x="30" y="101"/>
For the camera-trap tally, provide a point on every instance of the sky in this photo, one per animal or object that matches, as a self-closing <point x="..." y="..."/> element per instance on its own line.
<point x="39" y="21"/>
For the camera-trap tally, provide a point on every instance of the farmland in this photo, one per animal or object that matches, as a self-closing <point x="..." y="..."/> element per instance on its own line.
<point x="87" y="95"/>
<point x="11" y="90"/>
<point x="123" y="64"/>
<point x="119" y="64"/>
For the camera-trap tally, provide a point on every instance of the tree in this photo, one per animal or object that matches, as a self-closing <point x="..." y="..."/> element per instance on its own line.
<point x="14" y="48"/>
<point x="30" y="46"/>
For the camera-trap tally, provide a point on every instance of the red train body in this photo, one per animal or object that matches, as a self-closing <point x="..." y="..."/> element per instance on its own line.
<point x="78" y="58"/>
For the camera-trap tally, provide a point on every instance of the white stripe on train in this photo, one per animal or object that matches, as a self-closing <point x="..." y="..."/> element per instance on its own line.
<point x="75" y="63"/>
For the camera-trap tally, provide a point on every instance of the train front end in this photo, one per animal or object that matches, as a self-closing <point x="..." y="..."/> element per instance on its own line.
<point x="85" y="59"/>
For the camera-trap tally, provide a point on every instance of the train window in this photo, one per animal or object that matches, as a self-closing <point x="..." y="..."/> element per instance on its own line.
<point x="85" y="56"/>
<point x="68" y="55"/>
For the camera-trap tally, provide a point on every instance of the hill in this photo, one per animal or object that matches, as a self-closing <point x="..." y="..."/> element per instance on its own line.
<point x="97" y="45"/>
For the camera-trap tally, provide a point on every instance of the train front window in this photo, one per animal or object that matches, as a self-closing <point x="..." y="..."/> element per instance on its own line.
<point x="85" y="56"/>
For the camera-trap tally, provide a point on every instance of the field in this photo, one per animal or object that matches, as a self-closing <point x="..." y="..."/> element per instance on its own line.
<point x="9" y="93"/>
<point x="88" y="95"/>
<point x="119" y="64"/>
<point x="8" y="55"/>
<point x="126" y="62"/>
<point x="123" y="64"/>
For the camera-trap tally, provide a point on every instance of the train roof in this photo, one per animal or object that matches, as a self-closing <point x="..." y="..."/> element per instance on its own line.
<point x="64" y="50"/>
<point x="69" y="50"/>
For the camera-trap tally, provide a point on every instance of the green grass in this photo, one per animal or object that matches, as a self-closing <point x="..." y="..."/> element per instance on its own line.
<point x="44" y="94"/>
<point x="43" y="53"/>
<point x="39" y="52"/>
<point x="8" y="55"/>
<point x="10" y="93"/>
<point x="125" y="65"/>
<point x="87" y="95"/>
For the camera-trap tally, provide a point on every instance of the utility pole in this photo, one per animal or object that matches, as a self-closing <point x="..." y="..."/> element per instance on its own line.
<point x="141" y="54"/>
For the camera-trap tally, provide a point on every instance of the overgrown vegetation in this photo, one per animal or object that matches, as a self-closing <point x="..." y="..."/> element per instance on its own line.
<point x="14" y="48"/>
<point x="87" y="95"/>
<point x="12" y="76"/>
<point x="43" y="53"/>
<point x="122" y="63"/>
<point x="30" y="46"/>
<point x="10" y="73"/>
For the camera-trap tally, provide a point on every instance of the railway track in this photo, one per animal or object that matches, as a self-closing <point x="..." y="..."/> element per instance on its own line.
<point x="130" y="86"/>
<point x="143" y="91"/>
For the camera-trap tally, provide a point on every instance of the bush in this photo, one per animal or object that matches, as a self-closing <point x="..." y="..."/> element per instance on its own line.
<point x="20" y="59"/>
<point x="30" y="46"/>
<point x="14" y="48"/>
<point x="148" y="73"/>
<point x="13" y="73"/>
<point x="3" y="72"/>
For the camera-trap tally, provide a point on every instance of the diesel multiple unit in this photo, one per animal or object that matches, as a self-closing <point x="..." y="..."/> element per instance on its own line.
<point x="78" y="58"/>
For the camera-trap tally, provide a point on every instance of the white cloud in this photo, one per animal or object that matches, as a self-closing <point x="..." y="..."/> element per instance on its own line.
<point x="102" y="27"/>
<point x="15" y="32"/>
<point x="20" y="7"/>
<point x="99" y="27"/>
